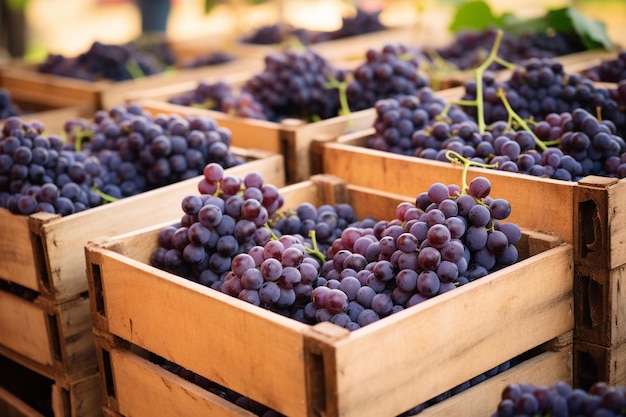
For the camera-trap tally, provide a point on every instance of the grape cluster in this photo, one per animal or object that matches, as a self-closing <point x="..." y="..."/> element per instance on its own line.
<point x="225" y="220"/>
<point x="103" y="61"/>
<point x="38" y="172"/>
<point x="469" y="48"/>
<point x="293" y="83"/>
<point x="143" y="152"/>
<point x="443" y="240"/>
<point x="7" y="107"/>
<point x="360" y="23"/>
<point x="561" y="400"/>
<point x="389" y="73"/>
<point x="221" y="96"/>
<point x="538" y="87"/>
<point x="398" y="120"/>
<point x="611" y="70"/>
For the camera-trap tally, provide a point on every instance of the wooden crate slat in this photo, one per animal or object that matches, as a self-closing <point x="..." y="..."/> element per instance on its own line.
<point x="12" y="406"/>
<point x="143" y="387"/>
<point x="53" y="339"/>
<point x="24" y="328"/>
<point x="593" y="363"/>
<point x="17" y="261"/>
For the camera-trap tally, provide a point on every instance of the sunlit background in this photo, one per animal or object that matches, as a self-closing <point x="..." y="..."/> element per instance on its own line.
<point x="70" y="26"/>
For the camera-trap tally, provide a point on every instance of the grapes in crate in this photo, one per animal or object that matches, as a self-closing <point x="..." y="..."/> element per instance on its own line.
<point x="561" y="399"/>
<point x="612" y="70"/>
<point x="7" y="107"/>
<point x="121" y="152"/>
<point x="294" y="83"/>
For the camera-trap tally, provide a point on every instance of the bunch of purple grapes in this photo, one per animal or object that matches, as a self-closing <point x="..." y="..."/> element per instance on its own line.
<point x="143" y="152"/>
<point x="398" y="120"/>
<point x="38" y="173"/>
<point x="221" y="96"/>
<point x="561" y="400"/>
<point x="612" y="70"/>
<point x="389" y="73"/>
<point x="360" y="23"/>
<point x="538" y="87"/>
<point x="102" y="61"/>
<point x="469" y="48"/>
<point x="7" y="107"/>
<point x="225" y="220"/>
<point x="293" y="83"/>
<point x="443" y="240"/>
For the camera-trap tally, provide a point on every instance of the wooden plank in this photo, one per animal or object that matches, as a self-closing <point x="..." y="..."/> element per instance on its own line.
<point x="143" y="387"/>
<point x="82" y="399"/>
<point x="17" y="260"/>
<point x="24" y="329"/>
<point x="542" y="201"/>
<point x="490" y="310"/>
<point x="482" y="399"/>
<point x="54" y="339"/>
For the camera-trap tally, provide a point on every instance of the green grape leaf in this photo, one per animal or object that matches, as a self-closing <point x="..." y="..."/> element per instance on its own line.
<point x="475" y="15"/>
<point x="209" y="5"/>
<point x="591" y="32"/>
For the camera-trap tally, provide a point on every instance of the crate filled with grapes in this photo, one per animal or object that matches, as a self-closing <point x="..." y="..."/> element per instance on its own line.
<point x="324" y="287"/>
<point x="27" y="391"/>
<point x="104" y="73"/>
<point x="114" y="172"/>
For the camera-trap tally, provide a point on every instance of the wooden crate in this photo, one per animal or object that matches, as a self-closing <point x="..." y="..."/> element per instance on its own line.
<point x="53" y="338"/>
<point x="28" y="393"/>
<point x="58" y="91"/>
<point x="303" y="370"/>
<point x="45" y="252"/>
<point x="138" y="386"/>
<point x="593" y="363"/>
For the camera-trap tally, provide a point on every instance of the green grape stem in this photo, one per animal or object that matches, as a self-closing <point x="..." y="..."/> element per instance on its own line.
<point x="513" y="115"/>
<point x="315" y="250"/>
<point x="457" y="158"/>
<point x="341" y="87"/>
<point x="134" y="69"/>
<point x="105" y="197"/>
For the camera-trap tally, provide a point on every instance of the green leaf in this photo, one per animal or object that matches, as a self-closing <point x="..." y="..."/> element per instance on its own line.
<point x="592" y="32"/>
<point x="475" y="15"/>
<point x="209" y="5"/>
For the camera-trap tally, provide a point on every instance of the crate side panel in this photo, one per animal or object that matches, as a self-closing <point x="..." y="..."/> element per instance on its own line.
<point x="550" y="199"/>
<point x="530" y="302"/>
<point x="601" y="222"/>
<point x="600" y="307"/>
<point x="81" y="398"/>
<point x="594" y="363"/>
<point x="145" y="389"/>
<point x="24" y="329"/>
<point x="78" y="346"/>
<point x="209" y="328"/>
<point x="17" y="260"/>
<point x="482" y="400"/>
